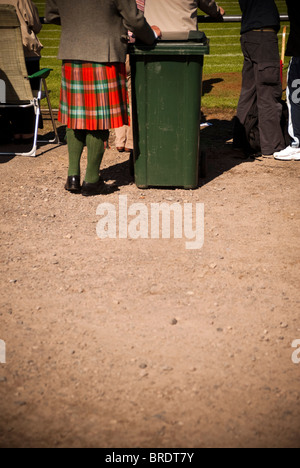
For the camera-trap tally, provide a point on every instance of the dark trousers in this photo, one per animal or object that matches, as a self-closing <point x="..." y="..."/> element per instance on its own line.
<point x="293" y="100"/>
<point x="262" y="84"/>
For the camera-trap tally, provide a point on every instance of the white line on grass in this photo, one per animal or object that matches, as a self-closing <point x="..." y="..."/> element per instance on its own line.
<point x="223" y="55"/>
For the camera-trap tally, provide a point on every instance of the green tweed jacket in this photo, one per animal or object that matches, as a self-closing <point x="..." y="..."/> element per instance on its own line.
<point x="92" y="30"/>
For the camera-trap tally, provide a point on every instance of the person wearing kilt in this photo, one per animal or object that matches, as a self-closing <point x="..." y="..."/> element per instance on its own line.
<point x="93" y="90"/>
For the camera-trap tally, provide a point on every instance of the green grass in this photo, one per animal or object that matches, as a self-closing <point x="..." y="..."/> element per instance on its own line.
<point x="225" y="56"/>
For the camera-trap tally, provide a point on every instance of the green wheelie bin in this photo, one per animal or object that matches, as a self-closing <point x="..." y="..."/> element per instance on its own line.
<point x="166" y="110"/>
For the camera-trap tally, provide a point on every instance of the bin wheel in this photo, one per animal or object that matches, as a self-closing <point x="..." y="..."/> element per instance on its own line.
<point x="203" y="165"/>
<point x="131" y="164"/>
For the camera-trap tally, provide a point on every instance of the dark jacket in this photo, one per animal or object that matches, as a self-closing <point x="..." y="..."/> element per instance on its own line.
<point x="293" y="47"/>
<point x="258" y="14"/>
<point x="92" y="30"/>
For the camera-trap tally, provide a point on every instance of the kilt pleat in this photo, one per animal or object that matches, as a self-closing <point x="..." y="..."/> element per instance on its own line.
<point x="93" y="96"/>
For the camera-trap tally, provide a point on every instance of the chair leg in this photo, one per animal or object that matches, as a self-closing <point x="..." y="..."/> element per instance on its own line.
<point x="56" y="139"/>
<point x="37" y="112"/>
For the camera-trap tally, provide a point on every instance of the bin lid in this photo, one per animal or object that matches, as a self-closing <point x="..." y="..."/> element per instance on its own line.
<point x="175" y="36"/>
<point x="174" y="43"/>
<point x="197" y="36"/>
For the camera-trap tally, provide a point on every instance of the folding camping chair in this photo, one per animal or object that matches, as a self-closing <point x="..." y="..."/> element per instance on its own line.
<point x="15" y="89"/>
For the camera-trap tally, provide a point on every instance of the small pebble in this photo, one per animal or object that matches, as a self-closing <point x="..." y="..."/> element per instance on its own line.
<point x="283" y="325"/>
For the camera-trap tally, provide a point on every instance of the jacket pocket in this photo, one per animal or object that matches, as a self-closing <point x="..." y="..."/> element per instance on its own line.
<point x="269" y="73"/>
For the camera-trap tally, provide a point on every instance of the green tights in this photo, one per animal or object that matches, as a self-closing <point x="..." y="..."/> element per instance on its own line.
<point x="94" y="140"/>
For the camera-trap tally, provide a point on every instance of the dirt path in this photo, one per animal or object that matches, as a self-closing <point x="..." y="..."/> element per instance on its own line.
<point x="143" y="343"/>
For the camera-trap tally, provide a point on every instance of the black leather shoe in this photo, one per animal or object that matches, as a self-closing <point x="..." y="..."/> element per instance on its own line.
<point x="99" y="188"/>
<point x="73" y="184"/>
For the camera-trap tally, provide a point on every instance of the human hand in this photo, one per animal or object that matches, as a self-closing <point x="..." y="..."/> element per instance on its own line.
<point x="222" y="11"/>
<point x="157" y="31"/>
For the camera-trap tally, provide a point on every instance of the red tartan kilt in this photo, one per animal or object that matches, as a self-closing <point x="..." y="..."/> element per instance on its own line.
<point x="93" y="96"/>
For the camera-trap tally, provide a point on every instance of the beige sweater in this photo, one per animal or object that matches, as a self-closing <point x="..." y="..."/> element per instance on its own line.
<point x="178" y="15"/>
<point x="30" y="25"/>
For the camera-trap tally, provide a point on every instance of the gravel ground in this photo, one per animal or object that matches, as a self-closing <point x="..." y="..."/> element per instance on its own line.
<point x="141" y="342"/>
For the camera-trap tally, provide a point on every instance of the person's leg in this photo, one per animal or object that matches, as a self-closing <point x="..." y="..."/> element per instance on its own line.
<point x="129" y="131"/>
<point x="93" y="183"/>
<point x="76" y="142"/>
<point x="293" y="97"/>
<point x="269" y="94"/>
<point x="124" y="135"/>
<point x="120" y="138"/>
<point x="248" y="92"/>
<point x="95" y="145"/>
<point x="292" y="152"/>
<point x="247" y="97"/>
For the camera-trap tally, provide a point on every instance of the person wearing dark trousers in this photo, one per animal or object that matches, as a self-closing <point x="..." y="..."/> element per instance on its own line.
<point x="261" y="82"/>
<point x="292" y="152"/>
